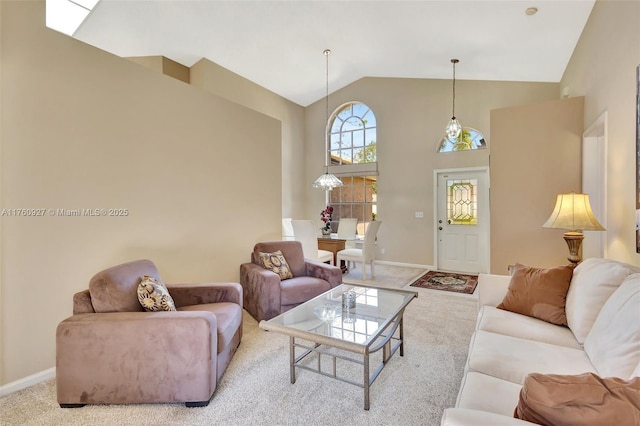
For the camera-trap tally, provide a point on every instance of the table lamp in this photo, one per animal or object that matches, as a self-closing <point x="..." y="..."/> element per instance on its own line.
<point x="573" y="212"/>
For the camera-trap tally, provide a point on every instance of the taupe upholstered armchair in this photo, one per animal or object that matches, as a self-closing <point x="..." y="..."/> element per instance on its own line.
<point x="267" y="296"/>
<point x="113" y="352"/>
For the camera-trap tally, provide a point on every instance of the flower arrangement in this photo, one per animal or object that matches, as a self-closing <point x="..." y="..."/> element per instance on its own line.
<point x="325" y="216"/>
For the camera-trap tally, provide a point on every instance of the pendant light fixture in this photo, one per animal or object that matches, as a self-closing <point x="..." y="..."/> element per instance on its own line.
<point x="327" y="181"/>
<point x="454" y="128"/>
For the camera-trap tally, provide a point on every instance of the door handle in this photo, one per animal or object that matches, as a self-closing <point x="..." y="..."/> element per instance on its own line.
<point x="440" y="228"/>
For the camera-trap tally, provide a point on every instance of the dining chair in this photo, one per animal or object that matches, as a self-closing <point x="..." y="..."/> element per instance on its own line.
<point x="287" y="229"/>
<point x="347" y="228"/>
<point x="305" y="232"/>
<point x="347" y="231"/>
<point x="367" y="253"/>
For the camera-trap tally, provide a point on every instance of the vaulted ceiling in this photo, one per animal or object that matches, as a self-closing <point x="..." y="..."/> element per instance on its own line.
<point x="279" y="44"/>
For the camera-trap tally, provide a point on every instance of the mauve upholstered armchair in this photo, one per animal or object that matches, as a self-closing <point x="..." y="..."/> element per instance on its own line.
<point x="266" y="296"/>
<point x="113" y="352"/>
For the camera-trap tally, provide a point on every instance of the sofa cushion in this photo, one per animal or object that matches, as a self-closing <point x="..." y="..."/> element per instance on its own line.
<point x="467" y="417"/>
<point x="154" y="296"/>
<point x="581" y="400"/>
<point x="512" y="359"/>
<point x="487" y="393"/>
<point x="228" y="319"/>
<point x="115" y="289"/>
<point x="508" y="323"/>
<point x="275" y="262"/>
<point x="300" y="289"/>
<point x="539" y="293"/>
<point x="613" y="344"/>
<point x="594" y="280"/>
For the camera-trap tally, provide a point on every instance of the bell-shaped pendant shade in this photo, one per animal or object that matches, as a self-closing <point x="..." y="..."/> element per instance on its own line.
<point x="453" y="128"/>
<point x="327" y="182"/>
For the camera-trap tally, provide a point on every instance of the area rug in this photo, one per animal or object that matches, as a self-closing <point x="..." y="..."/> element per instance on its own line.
<point x="447" y="281"/>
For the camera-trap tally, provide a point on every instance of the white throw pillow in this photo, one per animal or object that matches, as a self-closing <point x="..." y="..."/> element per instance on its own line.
<point x="613" y="344"/>
<point x="594" y="280"/>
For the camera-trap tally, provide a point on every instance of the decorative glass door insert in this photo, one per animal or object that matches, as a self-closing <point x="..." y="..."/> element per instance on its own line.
<point x="462" y="202"/>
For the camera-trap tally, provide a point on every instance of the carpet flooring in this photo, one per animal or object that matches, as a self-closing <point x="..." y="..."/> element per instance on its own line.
<point x="255" y="389"/>
<point x="447" y="281"/>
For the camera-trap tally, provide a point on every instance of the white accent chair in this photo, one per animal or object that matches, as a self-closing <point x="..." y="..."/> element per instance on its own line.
<point x="305" y="232"/>
<point x="367" y="254"/>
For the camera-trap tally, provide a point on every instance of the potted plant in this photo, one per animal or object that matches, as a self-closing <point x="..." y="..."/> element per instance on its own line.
<point x="325" y="216"/>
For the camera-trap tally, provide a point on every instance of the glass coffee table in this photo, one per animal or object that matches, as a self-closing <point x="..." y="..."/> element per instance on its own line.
<point x="331" y="325"/>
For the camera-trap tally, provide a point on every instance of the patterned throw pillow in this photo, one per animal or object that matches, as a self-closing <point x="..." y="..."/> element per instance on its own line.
<point x="275" y="262"/>
<point x="154" y="296"/>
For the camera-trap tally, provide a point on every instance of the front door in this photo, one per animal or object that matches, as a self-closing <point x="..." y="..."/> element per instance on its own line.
<point x="462" y="220"/>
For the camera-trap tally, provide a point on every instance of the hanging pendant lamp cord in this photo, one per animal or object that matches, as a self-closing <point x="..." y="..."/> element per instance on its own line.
<point x="326" y="136"/>
<point x="453" y="107"/>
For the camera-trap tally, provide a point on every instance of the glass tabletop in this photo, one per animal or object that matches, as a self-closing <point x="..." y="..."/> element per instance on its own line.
<point x="375" y="308"/>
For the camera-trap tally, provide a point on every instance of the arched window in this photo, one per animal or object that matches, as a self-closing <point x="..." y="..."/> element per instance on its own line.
<point x="469" y="139"/>
<point x="352" y="134"/>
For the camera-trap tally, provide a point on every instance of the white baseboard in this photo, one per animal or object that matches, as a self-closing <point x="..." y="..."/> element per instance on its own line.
<point x="25" y="382"/>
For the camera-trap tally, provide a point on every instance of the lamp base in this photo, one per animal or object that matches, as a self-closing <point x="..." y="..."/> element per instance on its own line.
<point x="574" y="241"/>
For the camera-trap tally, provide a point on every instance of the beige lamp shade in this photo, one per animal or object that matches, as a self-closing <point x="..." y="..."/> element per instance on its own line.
<point x="573" y="212"/>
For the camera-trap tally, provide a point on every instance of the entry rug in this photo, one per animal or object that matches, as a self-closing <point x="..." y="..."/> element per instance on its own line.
<point x="447" y="281"/>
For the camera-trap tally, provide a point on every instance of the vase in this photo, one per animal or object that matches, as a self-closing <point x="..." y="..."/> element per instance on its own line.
<point x="326" y="231"/>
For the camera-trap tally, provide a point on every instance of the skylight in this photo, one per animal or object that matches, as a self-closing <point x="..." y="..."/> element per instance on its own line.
<point x="66" y="15"/>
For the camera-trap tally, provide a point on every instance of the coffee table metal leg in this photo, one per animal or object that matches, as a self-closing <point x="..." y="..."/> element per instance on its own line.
<point x="366" y="380"/>
<point x="292" y="358"/>
<point x="402" y="334"/>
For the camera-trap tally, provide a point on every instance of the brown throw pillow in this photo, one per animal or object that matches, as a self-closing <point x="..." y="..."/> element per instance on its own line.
<point x="584" y="400"/>
<point x="539" y="293"/>
<point x="275" y="262"/>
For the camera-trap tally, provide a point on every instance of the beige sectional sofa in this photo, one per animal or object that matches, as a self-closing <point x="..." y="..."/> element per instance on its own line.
<point x="602" y="337"/>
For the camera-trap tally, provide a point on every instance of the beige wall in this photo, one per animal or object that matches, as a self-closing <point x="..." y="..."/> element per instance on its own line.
<point x="603" y="70"/>
<point x="81" y="128"/>
<point x="535" y="155"/>
<point x="411" y="115"/>
<point x="222" y="82"/>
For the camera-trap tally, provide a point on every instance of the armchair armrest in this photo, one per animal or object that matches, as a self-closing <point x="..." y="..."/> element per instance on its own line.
<point x="82" y="303"/>
<point x="201" y="293"/>
<point x="261" y="291"/>
<point x="492" y="289"/>
<point x="136" y="357"/>
<point x="329" y="273"/>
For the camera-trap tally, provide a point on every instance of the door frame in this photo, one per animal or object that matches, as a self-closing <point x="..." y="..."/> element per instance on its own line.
<point x="436" y="173"/>
<point x="594" y="174"/>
